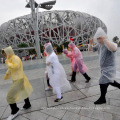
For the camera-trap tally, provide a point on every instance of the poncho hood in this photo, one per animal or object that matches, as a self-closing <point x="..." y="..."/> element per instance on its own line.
<point x="9" y="51"/>
<point x="100" y="32"/>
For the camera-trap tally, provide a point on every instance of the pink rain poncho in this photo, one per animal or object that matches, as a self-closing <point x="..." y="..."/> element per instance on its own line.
<point x="69" y="55"/>
<point x="77" y="55"/>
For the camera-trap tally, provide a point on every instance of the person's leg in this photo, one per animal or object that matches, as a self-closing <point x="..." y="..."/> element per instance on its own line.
<point x="14" y="111"/>
<point x="48" y="83"/>
<point x="72" y="71"/>
<point x="58" y="93"/>
<point x="11" y="99"/>
<point x="103" y="89"/>
<point x="59" y="96"/>
<point x="86" y="77"/>
<point x="14" y="108"/>
<point x="115" y="84"/>
<point x="82" y="69"/>
<point x="73" y="78"/>
<point x="27" y="104"/>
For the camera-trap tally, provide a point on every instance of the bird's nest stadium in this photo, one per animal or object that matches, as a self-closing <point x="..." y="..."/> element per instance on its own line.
<point x="53" y="26"/>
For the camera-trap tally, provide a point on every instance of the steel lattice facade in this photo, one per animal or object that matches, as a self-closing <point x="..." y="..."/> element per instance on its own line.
<point x="53" y="26"/>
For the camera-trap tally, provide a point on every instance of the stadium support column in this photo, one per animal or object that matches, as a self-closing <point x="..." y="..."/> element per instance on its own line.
<point x="32" y="5"/>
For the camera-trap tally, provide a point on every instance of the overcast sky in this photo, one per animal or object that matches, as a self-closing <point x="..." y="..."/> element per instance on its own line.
<point x="106" y="10"/>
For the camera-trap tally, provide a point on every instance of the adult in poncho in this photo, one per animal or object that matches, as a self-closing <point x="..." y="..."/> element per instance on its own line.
<point x="106" y="51"/>
<point x="79" y="63"/>
<point x="20" y="88"/>
<point x="56" y="73"/>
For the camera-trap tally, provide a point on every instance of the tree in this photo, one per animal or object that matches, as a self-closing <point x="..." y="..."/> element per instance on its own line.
<point x="22" y="45"/>
<point x="41" y="48"/>
<point x="116" y="39"/>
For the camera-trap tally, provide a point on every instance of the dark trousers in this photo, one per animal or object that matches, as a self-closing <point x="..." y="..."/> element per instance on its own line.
<point x="86" y="76"/>
<point x="103" y="88"/>
<point x="15" y="109"/>
<point x="27" y="103"/>
<point x="73" y="78"/>
<point x="48" y="82"/>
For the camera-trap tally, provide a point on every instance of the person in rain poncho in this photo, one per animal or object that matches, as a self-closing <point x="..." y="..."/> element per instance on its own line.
<point x="79" y="63"/>
<point x="106" y="51"/>
<point x="48" y="80"/>
<point x="56" y="73"/>
<point x="20" y="88"/>
<point x="72" y="60"/>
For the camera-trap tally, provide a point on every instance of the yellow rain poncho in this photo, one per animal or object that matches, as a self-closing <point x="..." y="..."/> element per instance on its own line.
<point x="20" y="88"/>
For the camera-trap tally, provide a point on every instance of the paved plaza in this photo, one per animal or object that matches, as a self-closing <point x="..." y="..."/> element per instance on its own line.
<point x="78" y="104"/>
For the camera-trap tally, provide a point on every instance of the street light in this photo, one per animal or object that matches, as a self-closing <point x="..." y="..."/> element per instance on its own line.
<point x="47" y="5"/>
<point x="32" y="4"/>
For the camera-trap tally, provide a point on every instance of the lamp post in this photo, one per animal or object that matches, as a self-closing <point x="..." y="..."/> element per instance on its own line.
<point x="32" y="4"/>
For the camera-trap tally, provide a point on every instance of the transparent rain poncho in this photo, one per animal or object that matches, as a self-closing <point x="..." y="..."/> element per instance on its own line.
<point x="48" y="48"/>
<point x="100" y="32"/>
<point x="56" y="72"/>
<point x="77" y="55"/>
<point x="106" y="59"/>
<point x="20" y="88"/>
<point x="46" y="55"/>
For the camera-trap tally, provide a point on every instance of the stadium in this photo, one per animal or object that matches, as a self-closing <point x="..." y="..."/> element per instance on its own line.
<point x="53" y="26"/>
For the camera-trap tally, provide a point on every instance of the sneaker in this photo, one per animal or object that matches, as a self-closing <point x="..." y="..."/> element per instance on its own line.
<point x="48" y="88"/>
<point x="58" y="99"/>
<point x="11" y="117"/>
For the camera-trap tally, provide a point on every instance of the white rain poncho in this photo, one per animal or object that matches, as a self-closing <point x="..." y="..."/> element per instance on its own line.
<point x="106" y="59"/>
<point x="56" y="72"/>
